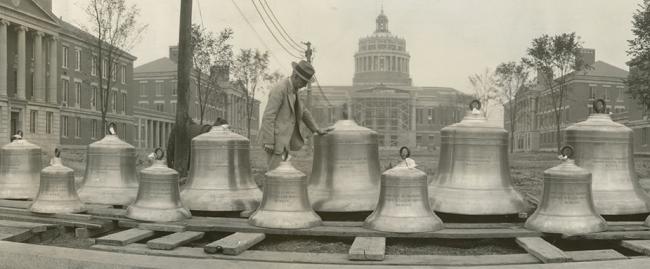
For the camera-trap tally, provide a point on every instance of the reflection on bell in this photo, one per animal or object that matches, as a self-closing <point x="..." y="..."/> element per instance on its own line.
<point x="158" y="194"/>
<point x="220" y="173"/>
<point x="57" y="193"/>
<point x="605" y="148"/>
<point x="567" y="205"/>
<point x="345" y="172"/>
<point x="110" y="176"/>
<point x="473" y="175"/>
<point x="403" y="202"/>
<point x="285" y="203"/>
<point x="20" y="167"/>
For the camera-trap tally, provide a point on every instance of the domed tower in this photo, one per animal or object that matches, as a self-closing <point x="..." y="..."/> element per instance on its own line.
<point x="382" y="58"/>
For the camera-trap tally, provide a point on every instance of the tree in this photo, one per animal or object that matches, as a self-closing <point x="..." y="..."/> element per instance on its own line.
<point x="210" y="53"/>
<point x="115" y="27"/>
<point x="250" y="69"/>
<point x="638" y="79"/>
<point x="485" y="88"/>
<point x="554" y="58"/>
<point x="512" y="78"/>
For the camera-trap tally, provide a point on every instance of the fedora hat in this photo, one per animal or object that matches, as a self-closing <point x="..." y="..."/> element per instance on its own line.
<point x="304" y="70"/>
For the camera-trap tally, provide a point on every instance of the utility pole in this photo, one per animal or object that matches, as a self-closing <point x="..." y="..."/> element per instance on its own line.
<point x="308" y="57"/>
<point x="182" y="141"/>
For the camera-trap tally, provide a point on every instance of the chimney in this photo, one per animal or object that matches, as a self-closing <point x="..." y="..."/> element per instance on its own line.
<point x="173" y="53"/>
<point x="45" y="4"/>
<point x="588" y="56"/>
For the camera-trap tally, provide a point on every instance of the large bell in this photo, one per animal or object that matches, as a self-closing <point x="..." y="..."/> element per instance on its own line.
<point x="345" y="172"/>
<point x="285" y="203"/>
<point x="159" y="196"/>
<point x="473" y="175"/>
<point x="403" y="205"/>
<point x="110" y="176"/>
<point x="567" y="205"/>
<point x="220" y="173"/>
<point x="605" y="148"/>
<point x="57" y="193"/>
<point x="20" y="166"/>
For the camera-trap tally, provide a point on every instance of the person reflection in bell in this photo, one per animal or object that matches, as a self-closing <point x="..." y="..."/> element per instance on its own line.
<point x="280" y="130"/>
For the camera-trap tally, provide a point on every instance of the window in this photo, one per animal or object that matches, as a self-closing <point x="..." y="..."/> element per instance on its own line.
<point x="124" y="102"/>
<point x="143" y="88"/>
<point x="173" y="88"/>
<point x="66" y="91"/>
<point x="644" y="136"/>
<point x="430" y="118"/>
<point x="173" y="107"/>
<point x="393" y="140"/>
<point x="160" y="107"/>
<point x="94" y="129"/>
<point x="123" y="74"/>
<point x="77" y="132"/>
<point x="77" y="53"/>
<point x="48" y="122"/>
<point x="123" y="130"/>
<point x="65" y="57"/>
<point x="93" y="65"/>
<point x="33" y="115"/>
<point x="114" y="72"/>
<point x="64" y="126"/>
<point x="418" y="140"/>
<point x="104" y="68"/>
<point x="93" y="98"/>
<point x="77" y="92"/>
<point x="159" y="91"/>
<point x="114" y="100"/>
<point x="592" y="93"/>
<point x="431" y="138"/>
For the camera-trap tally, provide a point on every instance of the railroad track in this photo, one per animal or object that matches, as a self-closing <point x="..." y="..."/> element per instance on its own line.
<point x="110" y="233"/>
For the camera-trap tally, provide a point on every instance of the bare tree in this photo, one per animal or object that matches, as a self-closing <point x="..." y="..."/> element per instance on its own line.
<point x="554" y="58"/>
<point x="250" y="69"/>
<point x="512" y="77"/>
<point x="115" y="26"/>
<point x="210" y="53"/>
<point x="485" y="88"/>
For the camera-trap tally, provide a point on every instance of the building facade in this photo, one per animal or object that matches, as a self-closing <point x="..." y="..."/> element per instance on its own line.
<point x="47" y="83"/>
<point x="382" y="97"/>
<point x="155" y="85"/>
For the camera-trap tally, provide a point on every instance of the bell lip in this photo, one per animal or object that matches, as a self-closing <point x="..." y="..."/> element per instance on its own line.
<point x="221" y="200"/>
<point x="107" y="196"/>
<point x="279" y="219"/>
<point x="58" y="207"/>
<point x="150" y="214"/>
<point x="565" y="224"/>
<point x="510" y="202"/>
<point x="404" y="224"/>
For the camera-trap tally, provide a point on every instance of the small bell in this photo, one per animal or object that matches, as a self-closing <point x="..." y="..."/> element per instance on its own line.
<point x="57" y="193"/>
<point x="567" y="205"/>
<point x="158" y="197"/>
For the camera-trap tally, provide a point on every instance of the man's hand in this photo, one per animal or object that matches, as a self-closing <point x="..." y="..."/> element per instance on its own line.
<point x="325" y="131"/>
<point x="268" y="148"/>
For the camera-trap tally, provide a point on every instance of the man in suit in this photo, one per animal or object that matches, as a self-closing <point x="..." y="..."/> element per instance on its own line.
<point x="280" y="131"/>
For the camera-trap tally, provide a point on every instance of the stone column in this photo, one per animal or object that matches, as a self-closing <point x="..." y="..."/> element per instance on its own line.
<point x="20" y="84"/>
<point x="54" y="76"/>
<point x="3" y="57"/>
<point x="39" y="68"/>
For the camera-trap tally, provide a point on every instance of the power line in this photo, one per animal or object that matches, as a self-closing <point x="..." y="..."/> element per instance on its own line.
<point x="272" y="34"/>
<point x="321" y="91"/>
<point x="280" y="29"/>
<point x="257" y="34"/>
<point x="198" y="2"/>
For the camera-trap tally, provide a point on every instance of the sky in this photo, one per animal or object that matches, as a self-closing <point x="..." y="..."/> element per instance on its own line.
<point x="448" y="40"/>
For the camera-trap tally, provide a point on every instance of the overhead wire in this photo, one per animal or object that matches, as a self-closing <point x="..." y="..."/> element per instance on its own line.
<point x="273" y="34"/>
<point x="322" y="92"/>
<point x="198" y="2"/>
<point x="278" y="26"/>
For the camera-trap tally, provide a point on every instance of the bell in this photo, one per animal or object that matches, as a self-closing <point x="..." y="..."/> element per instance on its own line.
<point x="220" y="173"/>
<point x="403" y="205"/>
<point x="285" y="204"/>
<point x="345" y="170"/>
<point x="604" y="147"/>
<point x="110" y="176"/>
<point x="473" y="175"/>
<point x="57" y="193"/>
<point x="159" y="198"/>
<point x="20" y="166"/>
<point x="567" y="205"/>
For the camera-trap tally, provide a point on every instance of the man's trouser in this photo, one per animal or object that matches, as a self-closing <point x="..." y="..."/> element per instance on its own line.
<point x="272" y="160"/>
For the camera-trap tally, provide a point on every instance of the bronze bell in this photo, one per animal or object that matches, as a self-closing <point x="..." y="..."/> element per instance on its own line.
<point x="220" y="173"/>
<point x="57" y="193"/>
<point x="285" y="204"/>
<point x="159" y="196"/>
<point x="403" y="205"/>
<point x="473" y="175"/>
<point x="605" y="148"/>
<point x="110" y="176"/>
<point x="345" y="171"/>
<point x="567" y="205"/>
<point x="20" y="166"/>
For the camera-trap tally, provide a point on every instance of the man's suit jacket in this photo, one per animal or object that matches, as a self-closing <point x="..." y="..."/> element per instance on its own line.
<point x="279" y="119"/>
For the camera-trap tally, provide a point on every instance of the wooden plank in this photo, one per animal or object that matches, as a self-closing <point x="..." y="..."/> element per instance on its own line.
<point x="162" y="227"/>
<point x="368" y="249"/>
<point x="613" y="235"/>
<point x="595" y="255"/>
<point x="15" y="234"/>
<point x="174" y="240"/>
<point x="543" y="250"/>
<point x="15" y="203"/>
<point x="32" y="226"/>
<point x="127" y="223"/>
<point x="641" y="246"/>
<point x="125" y="237"/>
<point x="94" y="224"/>
<point x="26" y="212"/>
<point x="234" y="244"/>
<point x="107" y="213"/>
